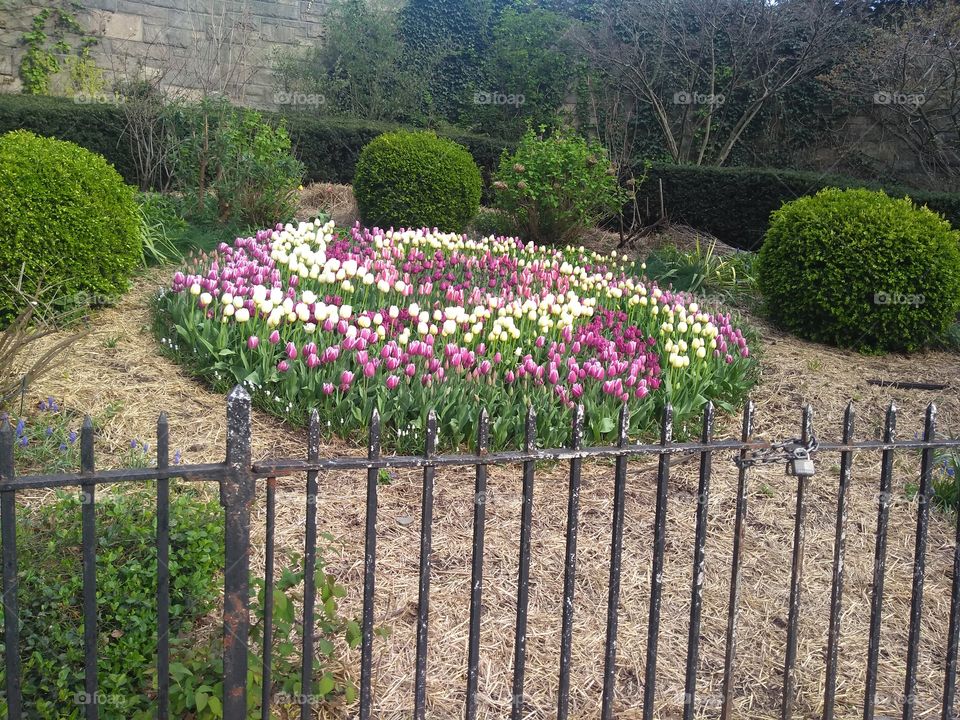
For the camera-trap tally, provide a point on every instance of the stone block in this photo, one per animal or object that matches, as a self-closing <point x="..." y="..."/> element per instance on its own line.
<point x="115" y="25"/>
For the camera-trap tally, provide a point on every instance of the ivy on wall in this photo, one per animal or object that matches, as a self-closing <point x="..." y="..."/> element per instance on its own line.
<point x="56" y="41"/>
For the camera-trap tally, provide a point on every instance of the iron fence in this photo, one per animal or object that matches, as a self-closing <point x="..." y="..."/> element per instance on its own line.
<point x="238" y="478"/>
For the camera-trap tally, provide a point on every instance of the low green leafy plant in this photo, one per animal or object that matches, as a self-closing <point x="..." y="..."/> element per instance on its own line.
<point x="556" y="186"/>
<point x="859" y="269"/>
<point x="703" y="271"/>
<point x="196" y="688"/>
<point x="237" y="165"/>
<point x="416" y="179"/>
<point x="49" y="540"/>
<point x="492" y="222"/>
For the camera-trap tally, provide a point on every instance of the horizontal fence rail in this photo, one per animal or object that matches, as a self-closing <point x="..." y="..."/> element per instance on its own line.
<point x="239" y="477"/>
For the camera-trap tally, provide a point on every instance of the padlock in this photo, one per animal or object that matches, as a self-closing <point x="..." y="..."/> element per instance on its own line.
<point x="801" y="465"/>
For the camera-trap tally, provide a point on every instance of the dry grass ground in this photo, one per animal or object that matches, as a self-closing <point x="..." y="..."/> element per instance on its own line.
<point x="118" y="367"/>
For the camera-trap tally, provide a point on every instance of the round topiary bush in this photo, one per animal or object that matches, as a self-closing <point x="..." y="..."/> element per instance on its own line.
<point x="416" y="179"/>
<point x="69" y="223"/>
<point x="859" y="269"/>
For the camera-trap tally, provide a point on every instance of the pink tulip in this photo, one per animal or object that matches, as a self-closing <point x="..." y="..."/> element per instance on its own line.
<point x="291" y="351"/>
<point x="312" y="361"/>
<point x="283" y="366"/>
<point x="253" y="342"/>
<point x="392" y="382"/>
<point x="328" y="388"/>
<point x="274" y="337"/>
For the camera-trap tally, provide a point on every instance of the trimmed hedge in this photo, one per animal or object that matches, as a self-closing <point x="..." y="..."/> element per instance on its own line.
<point x="859" y="269"/>
<point x="69" y="221"/>
<point x="329" y="148"/>
<point x="417" y="179"/>
<point x="734" y="203"/>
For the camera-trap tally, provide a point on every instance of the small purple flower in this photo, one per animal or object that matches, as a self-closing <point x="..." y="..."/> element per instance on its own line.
<point x="177" y="458"/>
<point x="24" y="441"/>
<point x="133" y="444"/>
<point x="72" y="437"/>
<point x="63" y="447"/>
<point x="49" y="431"/>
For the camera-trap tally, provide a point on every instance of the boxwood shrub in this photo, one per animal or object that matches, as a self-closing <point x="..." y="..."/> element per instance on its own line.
<point x="735" y="203"/>
<point x="860" y="269"/>
<point x="417" y="179"/>
<point x="69" y="221"/>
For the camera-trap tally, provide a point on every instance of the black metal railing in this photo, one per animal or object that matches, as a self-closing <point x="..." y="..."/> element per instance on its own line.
<point x="238" y="478"/>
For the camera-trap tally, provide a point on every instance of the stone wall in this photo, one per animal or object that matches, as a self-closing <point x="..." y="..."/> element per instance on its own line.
<point x="225" y="46"/>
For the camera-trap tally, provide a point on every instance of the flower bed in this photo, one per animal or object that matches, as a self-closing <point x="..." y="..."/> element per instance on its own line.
<point x="404" y="321"/>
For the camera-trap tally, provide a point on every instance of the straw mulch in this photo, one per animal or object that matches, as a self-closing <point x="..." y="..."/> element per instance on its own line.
<point x="119" y="368"/>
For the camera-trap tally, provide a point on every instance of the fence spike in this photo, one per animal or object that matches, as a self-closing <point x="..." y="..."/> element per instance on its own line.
<point x="163" y="570"/>
<point x="483" y="432"/>
<point x="623" y="425"/>
<point x="570" y="565"/>
<point x="530" y="430"/>
<point x="699" y="565"/>
<point x="796" y="577"/>
<point x="656" y="568"/>
<point x="11" y="607"/>
<point x="426" y="546"/>
<point x="523" y="570"/>
<point x="309" y="569"/>
<point x="369" y="575"/>
<point x="879" y="563"/>
<point x="836" y="590"/>
<point x="733" y="609"/>
<point x="430" y="442"/>
<point x="89" y="568"/>
<point x="919" y="563"/>
<point x="480" y="499"/>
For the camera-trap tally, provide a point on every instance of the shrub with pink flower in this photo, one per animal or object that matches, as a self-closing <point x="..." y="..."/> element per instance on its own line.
<point x="409" y="320"/>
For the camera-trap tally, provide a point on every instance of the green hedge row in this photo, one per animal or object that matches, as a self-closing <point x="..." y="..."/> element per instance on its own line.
<point x="734" y="203"/>
<point x="327" y="147"/>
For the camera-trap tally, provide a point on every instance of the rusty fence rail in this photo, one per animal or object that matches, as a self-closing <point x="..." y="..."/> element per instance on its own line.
<point x="239" y="477"/>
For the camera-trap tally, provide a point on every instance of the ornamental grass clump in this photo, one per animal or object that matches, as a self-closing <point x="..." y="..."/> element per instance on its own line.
<point x="859" y="269"/>
<point x="308" y="317"/>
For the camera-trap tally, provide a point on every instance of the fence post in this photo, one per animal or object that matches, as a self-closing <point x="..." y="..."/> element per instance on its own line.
<point x="236" y="495"/>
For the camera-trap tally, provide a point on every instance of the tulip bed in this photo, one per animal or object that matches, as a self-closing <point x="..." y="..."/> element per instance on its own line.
<point x="403" y="321"/>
